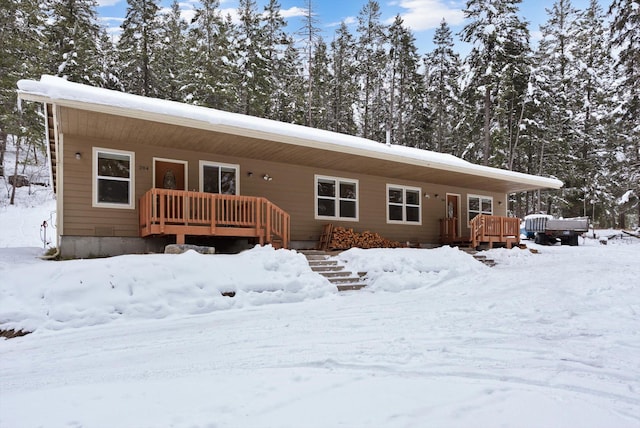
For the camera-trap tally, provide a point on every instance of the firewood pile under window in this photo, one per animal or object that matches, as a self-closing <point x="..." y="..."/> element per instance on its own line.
<point x="340" y="238"/>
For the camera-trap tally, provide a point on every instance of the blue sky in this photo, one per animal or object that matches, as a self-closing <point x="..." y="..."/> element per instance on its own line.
<point x="423" y="16"/>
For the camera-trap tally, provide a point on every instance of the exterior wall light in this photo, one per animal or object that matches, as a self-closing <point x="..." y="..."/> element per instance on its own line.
<point x="267" y="177"/>
<point x="78" y="155"/>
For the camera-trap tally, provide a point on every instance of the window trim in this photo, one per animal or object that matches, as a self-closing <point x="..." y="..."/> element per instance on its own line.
<point x="337" y="199"/>
<point x="480" y="197"/>
<point x="94" y="187"/>
<point x="203" y="163"/>
<point x="404" y="204"/>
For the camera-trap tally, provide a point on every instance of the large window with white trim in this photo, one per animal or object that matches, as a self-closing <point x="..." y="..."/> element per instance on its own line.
<point x="336" y="198"/>
<point x="113" y="177"/>
<point x="478" y="204"/>
<point x="404" y="204"/>
<point x="219" y="178"/>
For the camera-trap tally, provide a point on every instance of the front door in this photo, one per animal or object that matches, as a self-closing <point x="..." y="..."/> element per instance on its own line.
<point x="453" y="212"/>
<point x="170" y="174"/>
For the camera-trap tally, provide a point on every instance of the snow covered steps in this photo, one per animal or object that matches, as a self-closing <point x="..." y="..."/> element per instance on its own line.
<point x="344" y="280"/>
<point x="479" y="257"/>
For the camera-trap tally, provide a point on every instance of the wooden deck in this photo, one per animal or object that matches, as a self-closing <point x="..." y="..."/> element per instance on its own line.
<point x="484" y="229"/>
<point x="181" y="213"/>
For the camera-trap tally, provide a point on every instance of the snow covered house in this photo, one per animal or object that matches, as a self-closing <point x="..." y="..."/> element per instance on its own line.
<point x="132" y="174"/>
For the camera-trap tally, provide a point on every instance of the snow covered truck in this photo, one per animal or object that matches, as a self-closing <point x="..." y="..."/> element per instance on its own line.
<point x="547" y="230"/>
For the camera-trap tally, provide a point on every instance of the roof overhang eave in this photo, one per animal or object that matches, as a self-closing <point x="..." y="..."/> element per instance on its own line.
<point x="516" y="182"/>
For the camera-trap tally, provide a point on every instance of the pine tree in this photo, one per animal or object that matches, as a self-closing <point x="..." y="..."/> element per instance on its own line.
<point x="555" y="74"/>
<point x="254" y="76"/>
<point x="320" y="89"/>
<point x="371" y="59"/>
<point x="172" y="56"/>
<point x="211" y="77"/>
<point x="23" y="45"/>
<point x="500" y="42"/>
<point x="276" y="44"/>
<point x="73" y="37"/>
<point x="443" y="69"/>
<point x="625" y="38"/>
<point x="592" y="81"/>
<point x="407" y="118"/>
<point x="138" y="47"/>
<point x="310" y="34"/>
<point x="290" y="93"/>
<point x="108" y="62"/>
<point x="343" y="87"/>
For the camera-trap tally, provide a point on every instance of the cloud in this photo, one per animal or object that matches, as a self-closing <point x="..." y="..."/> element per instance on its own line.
<point x="293" y="12"/>
<point x="423" y="15"/>
<point x="111" y="21"/>
<point x="230" y="11"/>
<point x="106" y="3"/>
<point x="348" y="21"/>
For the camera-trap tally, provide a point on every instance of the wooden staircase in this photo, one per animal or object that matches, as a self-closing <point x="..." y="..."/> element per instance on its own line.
<point x="344" y="280"/>
<point x="481" y="258"/>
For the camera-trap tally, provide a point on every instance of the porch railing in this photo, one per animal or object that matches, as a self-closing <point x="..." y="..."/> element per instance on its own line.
<point x="490" y="229"/>
<point x="181" y="213"/>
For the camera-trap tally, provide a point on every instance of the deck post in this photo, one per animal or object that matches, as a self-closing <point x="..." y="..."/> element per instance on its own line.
<point x="213" y="208"/>
<point x="259" y="218"/>
<point x="161" y="214"/>
<point x="268" y="236"/>
<point x="185" y="208"/>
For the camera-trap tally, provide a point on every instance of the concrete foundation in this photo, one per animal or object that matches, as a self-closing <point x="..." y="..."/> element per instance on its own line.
<point x="83" y="247"/>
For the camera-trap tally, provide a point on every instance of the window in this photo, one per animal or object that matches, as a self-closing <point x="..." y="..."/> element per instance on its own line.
<point x="479" y="205"/>
<point x="113" y="178"/>
<point x="219" y="178"/>
<point x="336" y="198"/>
<point x="403" y="204"/>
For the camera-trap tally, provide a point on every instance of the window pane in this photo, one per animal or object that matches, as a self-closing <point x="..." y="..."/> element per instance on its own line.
<point x="472" y="215"/>
<point x="413" y="214"/>
<point x="395" y="212"/>
<point x="326" y="188"/>
<point x="486" y="206"/>
<point x="395" y="196"/>
<point x="113" y="191"/>
<point x="413" y="197"/>
<point x="348" y="190"/>
<point x="348" y="209"/>
<point x="113" y="165"/>
<point x="326" y="207"/>
<point x="474" y="204"/>
<point x="228" y="181"/>
<point x="210" y="182"/>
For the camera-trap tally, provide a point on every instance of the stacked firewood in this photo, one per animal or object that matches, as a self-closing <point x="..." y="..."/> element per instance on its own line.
<point x="342" y="239"/>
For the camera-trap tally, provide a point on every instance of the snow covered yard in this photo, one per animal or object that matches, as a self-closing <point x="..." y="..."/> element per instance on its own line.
<point x="548" y="339"/>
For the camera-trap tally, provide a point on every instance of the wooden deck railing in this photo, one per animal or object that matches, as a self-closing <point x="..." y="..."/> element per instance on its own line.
<point x="491" y="229"/>
<point x="181" y="213"/>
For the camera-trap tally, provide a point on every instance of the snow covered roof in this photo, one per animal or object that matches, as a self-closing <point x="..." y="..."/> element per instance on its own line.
<point x="56" y="90"/>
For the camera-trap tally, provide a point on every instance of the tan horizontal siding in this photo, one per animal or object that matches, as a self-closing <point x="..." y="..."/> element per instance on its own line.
<point x="292" y="189"/>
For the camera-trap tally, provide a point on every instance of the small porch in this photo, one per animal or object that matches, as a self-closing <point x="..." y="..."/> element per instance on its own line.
<point x="483" y="229"/>
<point x="182" y="213"/>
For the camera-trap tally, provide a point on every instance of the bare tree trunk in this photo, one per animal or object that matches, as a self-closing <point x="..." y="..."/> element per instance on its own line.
<point x="35" y="153"/>
<point x="487" y="125"/>
<point x="512" y="155"/>
<point x="3" y="148"/>
<point x="15" y="173"/>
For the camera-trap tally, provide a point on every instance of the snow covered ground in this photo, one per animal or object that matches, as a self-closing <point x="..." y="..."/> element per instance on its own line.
<point x="437" y="339"/>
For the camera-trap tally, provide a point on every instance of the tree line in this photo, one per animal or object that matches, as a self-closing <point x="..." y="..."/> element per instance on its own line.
<point x="567" y="106"/>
